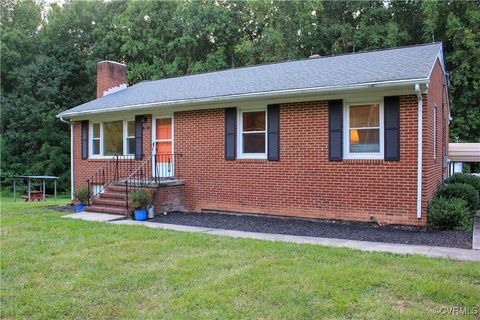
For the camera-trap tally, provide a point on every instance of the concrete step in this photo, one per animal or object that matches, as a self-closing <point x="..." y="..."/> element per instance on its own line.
<point x="108" y="202"/>
<point x="117" y="193"/>
<point x="119" y="189"/>
<point x="151" y="183"/>
<point x="121" y="183"/>
<point x="108" y="209"/>
<point x="116" y="188"/>
<point x="113" y="195"/>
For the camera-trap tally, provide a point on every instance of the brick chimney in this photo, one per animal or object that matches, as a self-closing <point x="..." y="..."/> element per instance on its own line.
<point x="111" y="77"/>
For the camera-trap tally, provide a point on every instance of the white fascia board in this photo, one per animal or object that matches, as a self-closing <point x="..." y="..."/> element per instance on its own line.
<point x="245" y="97"/>
<point x="439" y="58"/>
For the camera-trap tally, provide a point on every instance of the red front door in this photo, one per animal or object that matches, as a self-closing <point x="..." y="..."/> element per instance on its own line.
<point x="163" y="147"/>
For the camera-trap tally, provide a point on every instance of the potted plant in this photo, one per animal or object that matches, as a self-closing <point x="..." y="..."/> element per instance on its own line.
<point x="81" y="198"/>
<point x="140" y="199"/>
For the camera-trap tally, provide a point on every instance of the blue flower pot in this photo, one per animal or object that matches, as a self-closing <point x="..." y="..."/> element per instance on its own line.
<point x="79" y="207"/>
<point x="141" y="215"/>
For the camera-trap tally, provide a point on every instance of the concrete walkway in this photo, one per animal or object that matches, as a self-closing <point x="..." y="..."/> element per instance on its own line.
<point x="93" y="216"/>
<point x="476" y="234"/>
<point x="429" y="251"/>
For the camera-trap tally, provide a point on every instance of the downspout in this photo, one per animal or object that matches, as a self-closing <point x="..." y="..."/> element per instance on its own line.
<point x="72" y="196"/>
<point x="419" y="151"/>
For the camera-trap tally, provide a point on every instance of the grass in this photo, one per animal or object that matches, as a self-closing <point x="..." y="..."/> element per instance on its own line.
<point x="53" y="267"/>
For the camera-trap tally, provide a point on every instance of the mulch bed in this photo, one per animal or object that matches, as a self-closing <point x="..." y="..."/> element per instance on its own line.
<point x="322" y="228"/>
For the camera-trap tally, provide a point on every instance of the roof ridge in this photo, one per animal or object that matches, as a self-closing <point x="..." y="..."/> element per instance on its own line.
<point x="392" y="67"/>
<point x="291" y="61"/>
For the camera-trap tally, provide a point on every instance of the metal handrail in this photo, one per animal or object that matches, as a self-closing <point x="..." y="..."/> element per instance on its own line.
<point x="149" y="172"/>
<point x="109" y="172"/>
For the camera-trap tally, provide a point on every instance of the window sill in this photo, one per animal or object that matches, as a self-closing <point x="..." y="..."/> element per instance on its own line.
<point x="103" y="158"/>
<point x="365" y="156"/>
<point x="252" y="160"/>
<point x="252" y="157"/>
<point x="366" y="161"/>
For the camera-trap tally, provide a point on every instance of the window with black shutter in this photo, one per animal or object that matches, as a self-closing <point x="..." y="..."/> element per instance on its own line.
<point x="84" y="139"/>
<point x="335" y="127"/>
<point x="230" y="128"/>
<point x="392" y="128"/>
<point x="139" y="137"/>
<point x="273" y="140"/>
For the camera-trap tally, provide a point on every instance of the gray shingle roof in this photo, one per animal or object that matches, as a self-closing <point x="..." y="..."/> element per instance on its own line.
<point x="398" y="64"/>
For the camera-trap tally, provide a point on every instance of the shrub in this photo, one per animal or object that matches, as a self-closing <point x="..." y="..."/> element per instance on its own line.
<point x="462" y="191"/>
<point x="140" y="199"/>
<point x="449" y="214"/>
<point x="466" y="178"/>
<point x="82" y="195"/>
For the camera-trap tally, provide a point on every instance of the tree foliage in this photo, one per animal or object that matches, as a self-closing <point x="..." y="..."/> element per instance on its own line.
<point x="49" y="53"/>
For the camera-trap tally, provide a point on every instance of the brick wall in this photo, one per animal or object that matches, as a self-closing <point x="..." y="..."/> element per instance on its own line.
<point x="304" y="182"/>
<point x="85" y="168"/>
<point x="434" y="170"/>
<point x="110" y="75"/>
<point x="169" y="198"/>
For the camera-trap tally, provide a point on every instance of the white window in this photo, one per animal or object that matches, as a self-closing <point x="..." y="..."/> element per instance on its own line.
<point x="96" y="139"/>
<point x="252" y="134"/>
<point x="97" y="189"/>
<point x="111" y="138"/>
<point x="130" y="138"/>
<point x="363" y="133"/>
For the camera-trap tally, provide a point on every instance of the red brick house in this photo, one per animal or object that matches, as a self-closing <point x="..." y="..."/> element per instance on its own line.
<point x="360" y="136"/>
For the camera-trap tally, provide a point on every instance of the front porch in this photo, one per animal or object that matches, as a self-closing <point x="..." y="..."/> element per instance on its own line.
<point x="111" y="184"/>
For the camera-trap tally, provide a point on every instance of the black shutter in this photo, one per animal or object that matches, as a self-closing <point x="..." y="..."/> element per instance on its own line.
<point x="335" y="130"/>
<point x="139" y="137"/>
<point x="230" y="126"/>
<point x="392" y="128"/>
<point x="84" y="139"/>
<point x="273" y="133"/>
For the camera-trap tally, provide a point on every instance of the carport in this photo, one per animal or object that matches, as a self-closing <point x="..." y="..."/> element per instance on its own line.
<point x="459" y="153"/>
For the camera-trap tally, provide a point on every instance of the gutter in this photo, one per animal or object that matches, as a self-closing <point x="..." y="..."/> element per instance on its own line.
<point x="72" y="195"/>
<point x="246" y="96"/>
<point x="419" y="151"/>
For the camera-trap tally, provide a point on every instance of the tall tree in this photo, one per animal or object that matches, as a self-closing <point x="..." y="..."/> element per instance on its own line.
<point x="457" y="24"/>
<point x="19" y="22"/>
<point x="37" y="141"/>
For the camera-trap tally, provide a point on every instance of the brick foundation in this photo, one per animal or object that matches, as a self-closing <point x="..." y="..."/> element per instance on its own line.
<point x="169" y="198"/>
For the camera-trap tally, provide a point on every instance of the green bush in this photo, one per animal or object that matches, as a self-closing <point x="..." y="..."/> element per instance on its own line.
<point x="462" y="191"/>
<point x="449" y="214"/>
<point x="466" y="178"/>
<point x="82" y="195"/>
<point x="140" y="199"/>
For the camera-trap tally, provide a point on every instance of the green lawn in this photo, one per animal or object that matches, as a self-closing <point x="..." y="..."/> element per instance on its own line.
<point x="53" y="267"/>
